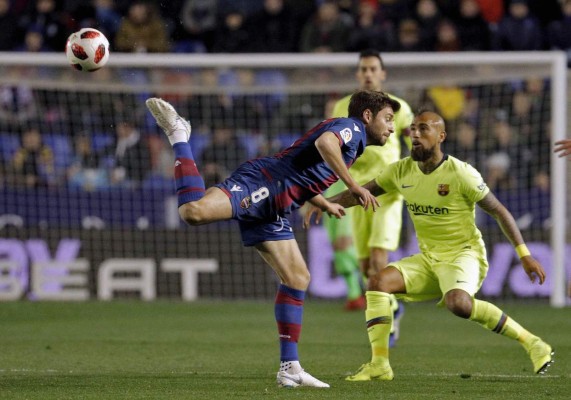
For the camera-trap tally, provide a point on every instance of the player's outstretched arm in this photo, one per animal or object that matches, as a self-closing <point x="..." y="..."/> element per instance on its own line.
<point x="506" y="221"/>
<point x="563" y="147"/>
<point x="347" y="199"/>
<point x="328" y="146"/>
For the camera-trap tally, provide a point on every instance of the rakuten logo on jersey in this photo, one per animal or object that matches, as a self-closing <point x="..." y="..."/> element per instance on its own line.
<point x="346" y="135"/>
<point x="419" y="209"/>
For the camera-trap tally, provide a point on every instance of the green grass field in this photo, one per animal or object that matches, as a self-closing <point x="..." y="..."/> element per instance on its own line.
<point x="223" y="350"/>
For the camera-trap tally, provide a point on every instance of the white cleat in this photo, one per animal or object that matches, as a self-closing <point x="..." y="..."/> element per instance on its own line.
<point x="302" y="378"/>
<point x="176" y="128"/>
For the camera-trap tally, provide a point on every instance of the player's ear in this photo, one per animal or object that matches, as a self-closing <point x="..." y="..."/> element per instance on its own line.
<point x="443" y="135"/>
<point x="367" y="116"/>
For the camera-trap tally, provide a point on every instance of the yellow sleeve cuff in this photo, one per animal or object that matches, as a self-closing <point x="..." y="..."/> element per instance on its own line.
<point x="522" y="251"/>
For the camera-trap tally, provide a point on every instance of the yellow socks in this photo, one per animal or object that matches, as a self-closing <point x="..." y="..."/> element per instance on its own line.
<point x="379" y="318"/>
<point x="494" y="319"/>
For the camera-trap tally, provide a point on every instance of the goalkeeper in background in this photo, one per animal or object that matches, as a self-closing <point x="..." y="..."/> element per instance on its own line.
<point x="374" y="234"/>
<point x="441" y="193"/>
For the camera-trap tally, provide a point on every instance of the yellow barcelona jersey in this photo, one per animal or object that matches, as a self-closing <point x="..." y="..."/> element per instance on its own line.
<point x="441" y="204"/>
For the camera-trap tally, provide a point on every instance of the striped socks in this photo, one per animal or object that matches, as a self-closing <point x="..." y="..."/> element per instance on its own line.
<point x="189" y="182"/>
<point x="288" y="312"/>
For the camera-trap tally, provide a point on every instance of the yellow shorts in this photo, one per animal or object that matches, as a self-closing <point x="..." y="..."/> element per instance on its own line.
<point x="379" y="229"/>
<point x="426" y="277"/>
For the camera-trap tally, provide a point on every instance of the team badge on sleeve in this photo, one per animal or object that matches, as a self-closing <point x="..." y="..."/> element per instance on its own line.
<point x="346" y="135"/>
<point x="443" y="189"/>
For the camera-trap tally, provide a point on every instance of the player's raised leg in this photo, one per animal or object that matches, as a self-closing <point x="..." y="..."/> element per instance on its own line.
<point x="286" y="260"/>
<point x="196" y="206"/>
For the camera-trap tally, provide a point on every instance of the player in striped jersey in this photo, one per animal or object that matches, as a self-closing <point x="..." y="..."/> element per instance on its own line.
<point x="262" y="192"/>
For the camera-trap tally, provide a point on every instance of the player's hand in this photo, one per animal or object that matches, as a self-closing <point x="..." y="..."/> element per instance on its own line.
<point x="533" y="269"/>
<point x="563" y="147"/>
<point x="309" y="211"/>
<point x="335" y="210"/>
<point x="365" y="197"/>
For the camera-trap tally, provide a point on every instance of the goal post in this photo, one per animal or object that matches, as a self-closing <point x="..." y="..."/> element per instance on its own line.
<point x="270" y="98"/>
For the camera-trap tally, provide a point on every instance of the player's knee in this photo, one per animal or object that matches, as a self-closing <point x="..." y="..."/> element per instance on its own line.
<point x="297" y="279"/>
<point x="191" y="213"/>
<point x="378" y="283"/>
<point x="459" y="303"/>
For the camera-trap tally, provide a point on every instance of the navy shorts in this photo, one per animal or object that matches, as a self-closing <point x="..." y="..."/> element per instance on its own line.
<point x="251" y="194"/>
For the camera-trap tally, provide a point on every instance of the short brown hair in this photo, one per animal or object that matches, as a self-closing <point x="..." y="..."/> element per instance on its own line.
<point x="372" y="100"/>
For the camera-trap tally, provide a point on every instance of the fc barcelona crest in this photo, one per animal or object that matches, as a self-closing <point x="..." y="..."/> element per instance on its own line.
<point x="443" y="189"/>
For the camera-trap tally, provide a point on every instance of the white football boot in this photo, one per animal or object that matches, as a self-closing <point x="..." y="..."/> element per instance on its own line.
<point x="176" y="128"/>
<point x="289" y="378"/>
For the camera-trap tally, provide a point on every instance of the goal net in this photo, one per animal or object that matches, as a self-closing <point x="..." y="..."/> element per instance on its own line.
<point x="87" y="207"/>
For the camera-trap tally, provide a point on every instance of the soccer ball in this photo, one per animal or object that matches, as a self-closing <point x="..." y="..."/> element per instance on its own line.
<point x="87" y="49"/>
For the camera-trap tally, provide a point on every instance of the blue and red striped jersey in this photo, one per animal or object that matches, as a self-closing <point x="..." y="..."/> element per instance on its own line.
<point x="301" y="170"/>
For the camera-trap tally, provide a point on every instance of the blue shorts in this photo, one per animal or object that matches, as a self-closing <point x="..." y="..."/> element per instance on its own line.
<point x="251" y="194"/>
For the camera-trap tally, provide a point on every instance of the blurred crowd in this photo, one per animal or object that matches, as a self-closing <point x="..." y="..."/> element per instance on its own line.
<point x="270" y="26"/>
<point x="99" y="141"/>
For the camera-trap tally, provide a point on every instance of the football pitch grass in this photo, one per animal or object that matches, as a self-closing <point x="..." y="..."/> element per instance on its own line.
<point x="223" y="350"/>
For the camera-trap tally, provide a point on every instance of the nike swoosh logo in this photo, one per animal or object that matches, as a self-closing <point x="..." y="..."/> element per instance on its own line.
<point x="406" y="186"/>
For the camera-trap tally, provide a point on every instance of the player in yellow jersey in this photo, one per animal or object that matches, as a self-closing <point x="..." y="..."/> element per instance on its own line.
<point x="375" y="234"/>
<point x="441" y="193"/>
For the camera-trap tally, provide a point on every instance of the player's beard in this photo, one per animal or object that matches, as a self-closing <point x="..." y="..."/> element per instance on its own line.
<point x="422" y="154"/>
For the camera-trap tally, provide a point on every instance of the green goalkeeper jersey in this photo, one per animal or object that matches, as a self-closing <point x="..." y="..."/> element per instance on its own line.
<point x="441" y="204"/>
<point x="376" y="158"/>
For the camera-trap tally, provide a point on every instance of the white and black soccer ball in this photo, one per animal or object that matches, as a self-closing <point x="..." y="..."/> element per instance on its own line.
<point x="87" y="50"/>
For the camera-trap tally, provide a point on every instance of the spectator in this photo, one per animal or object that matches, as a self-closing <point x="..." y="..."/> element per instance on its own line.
<point x="142" y="31"/>
<point x="8" y="27"/>
<point x="449" y="101"/>
<point x="465" y="146"/>
<point x="199" y="20"/>
<point x="98" y="14"/>
<point x="223" y="154"/>
<point x="45" y="19"/>
<point x="492" y="10"/>
<point x="131" y="155"/>
<point x="231" y="34"/>
<point x="108" y="19"/>
<point x="18" y="106"/>
<point x="325" y="32"/>
<point x="370" y="32"/>
<point x="409" y="39"/>
<point x="472" y="28"/>
<point x="272" y="28"/>
<point x="33" y="163"/>
<point x="396" y="10"/>
<point x="428" y="18"/>
<point x="85" y="171"/>
<point x="559" y="32"/>
<point x="518" y="30"/>
<point x="33" y="41"/>
<point x="301" y="11"/>
<point x="508" y="161"/>
<point x="447" y="38"/>
<point x="525" y="117"/>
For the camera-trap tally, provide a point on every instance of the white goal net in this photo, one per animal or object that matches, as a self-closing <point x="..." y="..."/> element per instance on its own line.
<point x="87" y="207"/>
